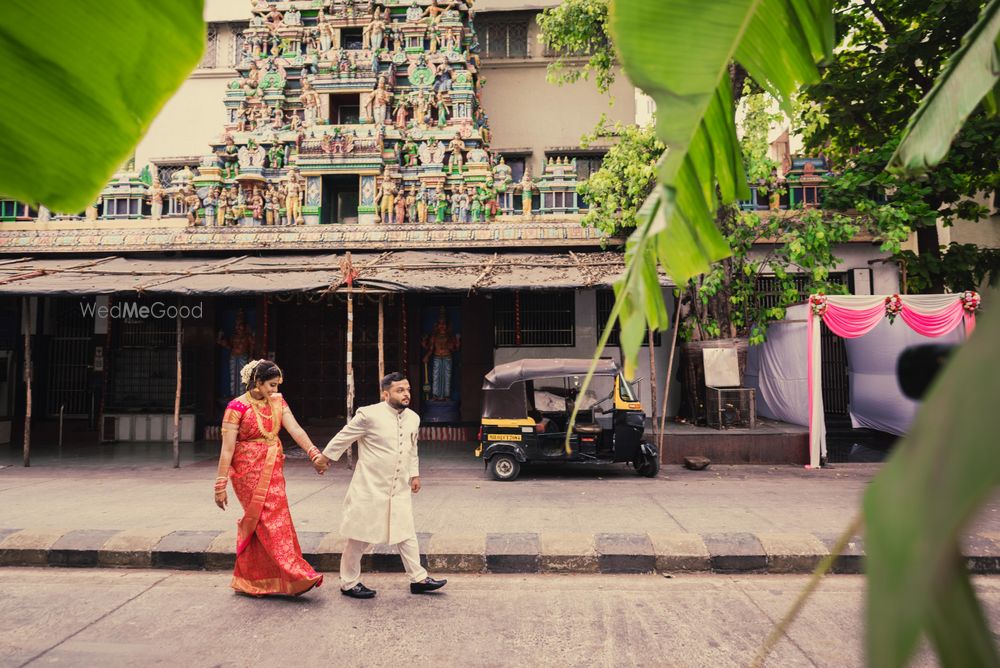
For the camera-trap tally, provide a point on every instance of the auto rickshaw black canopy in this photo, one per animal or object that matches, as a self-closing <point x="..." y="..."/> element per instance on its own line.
<point x="504" y="376"/>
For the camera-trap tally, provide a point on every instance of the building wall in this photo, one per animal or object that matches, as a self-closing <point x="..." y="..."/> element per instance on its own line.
<point x="195" y="115"/>
<point x="985" y="233"/>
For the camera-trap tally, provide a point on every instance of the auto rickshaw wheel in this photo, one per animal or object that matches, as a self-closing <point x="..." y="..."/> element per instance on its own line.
<point x="504" y="467"/>
<point x="647" y="466"/>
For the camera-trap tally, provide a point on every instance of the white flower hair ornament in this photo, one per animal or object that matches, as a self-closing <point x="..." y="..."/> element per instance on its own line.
<point x="246" y="373"/>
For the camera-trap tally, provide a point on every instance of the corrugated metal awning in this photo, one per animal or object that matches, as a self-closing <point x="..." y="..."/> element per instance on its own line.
<point x="404" y="271"/>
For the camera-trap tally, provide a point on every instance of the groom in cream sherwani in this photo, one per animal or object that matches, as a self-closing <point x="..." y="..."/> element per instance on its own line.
<point x="377" y="509"/>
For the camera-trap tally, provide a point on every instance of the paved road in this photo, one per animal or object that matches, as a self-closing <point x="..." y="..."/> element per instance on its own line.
<point x="108" y="617"/>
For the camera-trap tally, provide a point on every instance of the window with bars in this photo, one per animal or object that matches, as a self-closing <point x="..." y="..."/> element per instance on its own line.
<point x="581" y="52"/>
<point x="769" y="292"/>
<point x="605" y="304"/>
<point x="535" y="319"/>
<point x="144" y="368"/>
<point x="166" y="170"/>
<point x="209" y="58"/>
<point x="586" y="165"/>
<point x="11" y="210"/>
<point x="235" y="56"/>
<point x="504" y="39"/>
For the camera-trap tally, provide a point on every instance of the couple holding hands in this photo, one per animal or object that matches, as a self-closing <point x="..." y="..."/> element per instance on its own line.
<point x="377" y="508"/>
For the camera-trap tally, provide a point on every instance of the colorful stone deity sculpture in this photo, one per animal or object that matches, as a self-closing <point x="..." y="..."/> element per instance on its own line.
<point x="379" y="101"/>
<point x="457" y="147"/>
<point x="294" y="195"/>
<point x="193" y="204"/>
<point x="386" y="197"/>
<point x="400" y="210"/>
<point x="240" y="345"/>
<point x="476" y="209"/>
<point x="257" y="206"/>
<point x="526" y="186"/>
<point x="441" y="345"/>
<point x="440" y="206"/>
<point x="309" y="99"/>
<point x="421" y="205"/>
<point x="156" y="198"/>
<point x="411" y="206"/>
<point x="229" y="156"/>
<point x="271" y="205"/>
<point x="222" y="212"/>
<point x="209" y="206"/>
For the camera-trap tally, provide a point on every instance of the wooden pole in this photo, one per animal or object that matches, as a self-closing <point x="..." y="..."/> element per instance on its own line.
<point x="652" y="373"/>
<point x="177" y="401"/>
<point x="666" y="381"/>
<point x="350" y="365"/>
<point x="381" y="337"/>
<point x="26" y="322"/>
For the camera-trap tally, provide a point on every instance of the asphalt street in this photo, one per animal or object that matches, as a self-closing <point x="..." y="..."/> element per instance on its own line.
<point x="106" y="617"/>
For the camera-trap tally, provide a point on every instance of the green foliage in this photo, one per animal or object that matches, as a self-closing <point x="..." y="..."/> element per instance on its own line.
<point x="575" y="31"/>
<point x="969" y="75"/>
<point x="868" y="92"/>
<point x="726" y="302"/>
<point x="683" y="62"/>
<point x="627" y="175"/>
<point x="959" y="267"/>
<point x="757" y="118"/>
<point x="83" y="82"/>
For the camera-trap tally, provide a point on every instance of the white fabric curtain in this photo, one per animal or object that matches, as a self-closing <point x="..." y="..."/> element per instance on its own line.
<point x="876" y="401"/>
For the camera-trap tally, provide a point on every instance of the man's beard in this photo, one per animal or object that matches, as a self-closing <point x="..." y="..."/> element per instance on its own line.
<point x="395" y="404"/>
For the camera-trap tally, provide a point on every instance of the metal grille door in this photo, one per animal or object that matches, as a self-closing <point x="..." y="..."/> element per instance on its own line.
<point x="69" y="353"/>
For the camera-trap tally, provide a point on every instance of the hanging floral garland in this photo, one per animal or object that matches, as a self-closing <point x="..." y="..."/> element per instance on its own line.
<point x="970" y="301"/>
<point x="818" y="304"/>
<point x="893" y="305"/>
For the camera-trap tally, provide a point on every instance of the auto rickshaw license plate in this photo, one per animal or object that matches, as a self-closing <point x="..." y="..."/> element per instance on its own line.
<point x="505" y="437"/>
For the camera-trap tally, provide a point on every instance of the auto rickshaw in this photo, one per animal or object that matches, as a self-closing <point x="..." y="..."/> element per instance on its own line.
<point x="527" y="406"/>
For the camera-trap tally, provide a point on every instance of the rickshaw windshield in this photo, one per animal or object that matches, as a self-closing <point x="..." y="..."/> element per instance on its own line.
<point x="625" y="390"/>
<point x="505" y="404"/>
<point x="558" y="394"/>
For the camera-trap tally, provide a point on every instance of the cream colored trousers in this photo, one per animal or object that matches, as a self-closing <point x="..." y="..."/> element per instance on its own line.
<point x="350" y="561"/>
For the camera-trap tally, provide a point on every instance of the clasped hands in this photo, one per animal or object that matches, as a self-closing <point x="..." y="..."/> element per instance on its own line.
<point x="321" y="464"/>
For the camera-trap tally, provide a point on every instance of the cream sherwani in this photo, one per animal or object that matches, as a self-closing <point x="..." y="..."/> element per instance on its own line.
<point x="377" y="508"/>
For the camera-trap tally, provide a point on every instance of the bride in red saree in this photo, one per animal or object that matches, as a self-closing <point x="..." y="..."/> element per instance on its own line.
<point x="268" y="557"/>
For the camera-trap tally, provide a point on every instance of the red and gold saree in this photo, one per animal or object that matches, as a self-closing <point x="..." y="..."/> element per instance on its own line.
<point x="268" y="557"/>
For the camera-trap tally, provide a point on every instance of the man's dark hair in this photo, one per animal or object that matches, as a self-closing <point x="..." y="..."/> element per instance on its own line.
<point x="393" y="377"/>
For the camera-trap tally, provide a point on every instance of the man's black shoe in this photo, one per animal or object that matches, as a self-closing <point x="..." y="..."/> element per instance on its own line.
<point x="426" y="585"/>
<point x="358" y="591"/>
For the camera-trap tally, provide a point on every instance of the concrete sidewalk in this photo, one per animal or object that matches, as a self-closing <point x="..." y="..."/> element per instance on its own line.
<point x="127" y="507"/>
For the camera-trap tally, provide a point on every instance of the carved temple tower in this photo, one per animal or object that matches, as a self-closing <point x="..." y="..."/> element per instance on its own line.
<point x="353" y="112"/>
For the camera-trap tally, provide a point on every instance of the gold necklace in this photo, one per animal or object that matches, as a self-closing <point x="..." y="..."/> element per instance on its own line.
<point x="253" y="401"/>
<point x="272" y="435"/>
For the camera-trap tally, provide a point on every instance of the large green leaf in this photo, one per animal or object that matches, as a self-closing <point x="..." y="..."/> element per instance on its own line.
<point x="970" y="75"/>
<point x="917" y="506"/>
<point x="678" y="52"/>
<point x="82" y="82"/>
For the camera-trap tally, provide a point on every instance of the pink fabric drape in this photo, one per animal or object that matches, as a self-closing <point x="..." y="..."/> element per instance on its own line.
<point x="934" y="324"/>
<point x="851" y="324"/>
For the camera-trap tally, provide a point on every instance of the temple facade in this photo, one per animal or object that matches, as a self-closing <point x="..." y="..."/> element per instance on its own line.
<point x="346" y="187"/>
